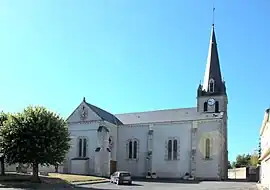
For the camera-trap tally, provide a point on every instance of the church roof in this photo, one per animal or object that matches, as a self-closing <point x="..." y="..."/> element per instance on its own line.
<point x="212" y="70"/>
<point x="104" y="115"/>
<point x="157" y="116"/>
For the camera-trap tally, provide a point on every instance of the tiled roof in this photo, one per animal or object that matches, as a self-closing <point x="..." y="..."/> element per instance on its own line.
<point x="106" y="116"/>
<point x="168" y="115"/>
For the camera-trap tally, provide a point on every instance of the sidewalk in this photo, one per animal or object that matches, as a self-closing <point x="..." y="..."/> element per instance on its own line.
<point x="91" y="182"/>
<point x="261" y="187"/>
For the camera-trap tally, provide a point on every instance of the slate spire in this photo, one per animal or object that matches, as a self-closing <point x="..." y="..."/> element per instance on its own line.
<point x="213" y="82"/>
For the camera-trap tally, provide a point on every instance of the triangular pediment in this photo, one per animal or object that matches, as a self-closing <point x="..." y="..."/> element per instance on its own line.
<point x="83" y="113"/>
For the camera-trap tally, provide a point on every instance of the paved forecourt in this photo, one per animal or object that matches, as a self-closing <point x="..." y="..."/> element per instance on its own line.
<point x="209" y="185"/>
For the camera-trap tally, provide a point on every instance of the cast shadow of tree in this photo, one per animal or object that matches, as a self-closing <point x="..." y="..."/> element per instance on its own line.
<point x="24" y="182"/>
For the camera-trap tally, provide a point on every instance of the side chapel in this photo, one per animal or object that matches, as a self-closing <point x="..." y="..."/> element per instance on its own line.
<point x="169" y="143"/>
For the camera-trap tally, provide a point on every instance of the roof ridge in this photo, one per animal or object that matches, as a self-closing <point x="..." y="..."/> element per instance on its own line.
<point x="172" y="109"/>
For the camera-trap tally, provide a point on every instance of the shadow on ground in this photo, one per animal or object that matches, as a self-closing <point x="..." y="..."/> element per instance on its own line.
<point x="164" y="180"/>
<point x="240" y="180"/>
<point x="133" y="184"/>
<point x="24" y="182"/>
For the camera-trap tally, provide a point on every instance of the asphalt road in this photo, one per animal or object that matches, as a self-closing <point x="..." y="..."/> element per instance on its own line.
<point x="173" y="186"/>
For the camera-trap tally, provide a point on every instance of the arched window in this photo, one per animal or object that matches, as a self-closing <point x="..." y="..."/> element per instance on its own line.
<point x="211" y="85"/>
<point x="82" y="147"/>
<point x="205" y="106"/>
<point x="216" y="106"/>
<point x="207" y="148"/>
<point x="135" y="150"/>
<point x="130" y="150"/>
<point x="174" y="149"/>
<point x="169" y="149"/>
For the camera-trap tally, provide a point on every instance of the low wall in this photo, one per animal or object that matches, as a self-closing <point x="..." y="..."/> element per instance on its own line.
<point x="10" y="168"/>
<point x="244" y="173"/>
<point x="42" y="169"/>
<point x="237" y="173"/>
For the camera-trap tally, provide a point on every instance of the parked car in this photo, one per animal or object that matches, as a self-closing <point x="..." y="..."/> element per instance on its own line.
<point x="121" y="177"/>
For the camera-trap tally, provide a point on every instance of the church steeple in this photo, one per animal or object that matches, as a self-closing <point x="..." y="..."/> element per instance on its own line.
<point x="213" y="83"/>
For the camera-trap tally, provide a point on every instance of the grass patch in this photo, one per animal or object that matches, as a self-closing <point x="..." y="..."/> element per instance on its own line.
<point x="10" y="177"/>
<point x="75" y="178"/>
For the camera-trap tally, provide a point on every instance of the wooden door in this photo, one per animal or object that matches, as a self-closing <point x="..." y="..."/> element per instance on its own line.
<point x="113" y="166"/>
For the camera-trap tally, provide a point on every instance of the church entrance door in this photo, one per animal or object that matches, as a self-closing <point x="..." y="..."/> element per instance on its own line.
<point x="113" y="166"/>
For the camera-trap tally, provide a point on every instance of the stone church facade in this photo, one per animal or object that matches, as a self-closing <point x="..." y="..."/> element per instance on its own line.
<point x="265" y="150"/>
<point x="168" y="143"/>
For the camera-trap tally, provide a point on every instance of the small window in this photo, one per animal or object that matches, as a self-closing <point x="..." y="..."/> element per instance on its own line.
<point x="125" y="174"/>
<point x="205" y="106"/>
<point x="82" y="147"/>
<point x="216" y="106"/>
<point x="211" y="85"/>
<point x="207" y="148"/>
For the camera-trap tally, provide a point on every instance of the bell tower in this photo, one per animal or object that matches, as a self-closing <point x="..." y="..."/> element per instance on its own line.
<point x="212" y="98"/>
<point x="212" y="95"/>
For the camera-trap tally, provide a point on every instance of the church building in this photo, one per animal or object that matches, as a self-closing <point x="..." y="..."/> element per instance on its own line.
<point x="165" y="143"/>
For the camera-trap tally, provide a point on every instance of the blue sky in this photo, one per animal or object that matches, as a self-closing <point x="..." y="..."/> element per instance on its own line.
<point x="127" y="56"/>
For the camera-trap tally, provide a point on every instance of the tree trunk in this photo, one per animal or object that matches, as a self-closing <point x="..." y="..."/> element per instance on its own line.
<point x="35" y="177"/>
<point x="56" y="168"/>
<point x="2" y="166"/>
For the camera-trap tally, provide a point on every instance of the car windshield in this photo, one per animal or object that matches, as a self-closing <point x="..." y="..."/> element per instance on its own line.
<point x="124" y="174"/>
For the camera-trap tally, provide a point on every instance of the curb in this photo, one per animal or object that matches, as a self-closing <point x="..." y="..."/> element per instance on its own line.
<point x="91" y="182"/>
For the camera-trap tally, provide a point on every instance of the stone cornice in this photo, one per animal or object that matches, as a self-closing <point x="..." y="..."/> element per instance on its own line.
<point x="83" y="129"/>
<point x="205" y="120"/>
<point x="264" y="122"/>
<point x="85" y="122"/>
<point x="265" y="154"/>
<point x="134" y="125"/>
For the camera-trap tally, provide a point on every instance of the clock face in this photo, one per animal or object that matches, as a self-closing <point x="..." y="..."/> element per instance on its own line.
<point x="83" y="113"/>
<point x="211" y="101"/>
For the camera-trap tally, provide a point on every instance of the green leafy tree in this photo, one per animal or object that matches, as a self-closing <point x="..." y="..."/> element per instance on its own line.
<point x="245" y="160"/>
<point x="3" y="118"/>
<point x="37" y="137"/>
<point x="233" y="164"/>
<point x="254" y="160"/>
<point x="259" y="150"/>
<point x="229" y="165"/>
<point x="242" y="160"/>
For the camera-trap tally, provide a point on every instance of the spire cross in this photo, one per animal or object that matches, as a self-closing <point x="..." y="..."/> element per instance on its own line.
<point x="213" y="15"/>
